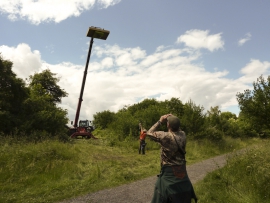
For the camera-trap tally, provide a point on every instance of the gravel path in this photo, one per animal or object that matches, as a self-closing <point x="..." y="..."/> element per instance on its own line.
<point x="142" y="191"/>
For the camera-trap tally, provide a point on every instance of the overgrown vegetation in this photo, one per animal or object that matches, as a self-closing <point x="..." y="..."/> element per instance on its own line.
<point x="255" y="105"/>
<point x="245" y="178"/>
<point x="253" y="120"/>
<point x="50" y="170"/>
<point x="213" y="125"/>
<point x="28" y="106"/>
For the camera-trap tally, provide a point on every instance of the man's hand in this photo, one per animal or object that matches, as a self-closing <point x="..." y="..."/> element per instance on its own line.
<point x="163" y="118"/>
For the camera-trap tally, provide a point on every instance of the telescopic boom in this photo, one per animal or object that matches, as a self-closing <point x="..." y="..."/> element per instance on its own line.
<point x="93" y="32"/>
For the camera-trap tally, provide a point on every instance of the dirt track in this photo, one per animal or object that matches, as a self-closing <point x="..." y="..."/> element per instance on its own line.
<point x="141" y="191"/>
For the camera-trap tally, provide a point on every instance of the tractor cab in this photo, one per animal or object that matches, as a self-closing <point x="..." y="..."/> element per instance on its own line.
<point x="84" y="130"/>
<point x="86" y="124"/>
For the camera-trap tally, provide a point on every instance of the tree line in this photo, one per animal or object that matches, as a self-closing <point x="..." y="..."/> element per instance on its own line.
<point x="32" y="106"/>
<point x="253" y="120"/>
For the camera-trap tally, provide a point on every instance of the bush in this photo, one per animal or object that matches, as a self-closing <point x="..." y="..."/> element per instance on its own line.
<point x="210" y="133"/>
<point x="265" y="134"/>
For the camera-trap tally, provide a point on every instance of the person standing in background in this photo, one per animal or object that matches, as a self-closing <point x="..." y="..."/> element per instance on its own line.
<point x="142" y="139"/>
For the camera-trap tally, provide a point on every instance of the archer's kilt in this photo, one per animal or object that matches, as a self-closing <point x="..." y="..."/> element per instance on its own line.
<point x="173" y="185"/>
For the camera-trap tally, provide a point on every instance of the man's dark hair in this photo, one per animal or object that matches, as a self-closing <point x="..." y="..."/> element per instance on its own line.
<point x="174" y="123"/>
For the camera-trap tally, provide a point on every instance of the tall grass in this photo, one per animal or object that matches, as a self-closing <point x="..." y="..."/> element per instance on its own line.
<point x="32" y="171"/>
<point x="203" y="149"/>
<point x="245" y="179"/>
<point x="49" y="170"/>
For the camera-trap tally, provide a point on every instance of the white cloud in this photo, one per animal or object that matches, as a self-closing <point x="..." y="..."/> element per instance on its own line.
<point x="198" y="39"/>
<point x="37" y="11"/>
<point x="160" y="48"/>
<point x="25" y="61"/>
<point x="245" y="39"/>
<point x="107" y="3"/>
<point x="107" y="62"/>
<point x="166" y="73"/>
<point x="254" y="69"/>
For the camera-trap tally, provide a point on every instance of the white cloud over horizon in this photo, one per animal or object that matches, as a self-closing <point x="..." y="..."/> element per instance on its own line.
<point x="242" y="41"/>
<point x="199" y="39"/>
<point x="122" y="76"/>
<point x="25" y="61"/>
<point x="38" y="11"/>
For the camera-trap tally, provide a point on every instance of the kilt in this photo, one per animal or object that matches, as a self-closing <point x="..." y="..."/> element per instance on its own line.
<point x="173" y="185"/>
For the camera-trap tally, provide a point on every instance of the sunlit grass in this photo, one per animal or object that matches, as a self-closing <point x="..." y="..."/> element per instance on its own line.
<point x="203" y="149"/>
<point x="50" y="170"/>
<point x="245" y="178"/>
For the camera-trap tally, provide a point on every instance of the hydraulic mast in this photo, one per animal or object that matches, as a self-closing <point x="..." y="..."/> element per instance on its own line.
<point x="83" y="84"/>
<point x="84" y="129"/>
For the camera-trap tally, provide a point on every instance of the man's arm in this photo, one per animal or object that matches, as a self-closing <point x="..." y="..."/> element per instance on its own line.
<point x="153" y="133"/>
<point x="140" y="126"/>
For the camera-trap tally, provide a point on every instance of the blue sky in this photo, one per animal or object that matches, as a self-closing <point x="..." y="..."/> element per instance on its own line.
<point x="205" y="50"/>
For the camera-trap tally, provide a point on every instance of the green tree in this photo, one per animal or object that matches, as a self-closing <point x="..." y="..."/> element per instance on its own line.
<point x="255" y="104"/>
<point x="220" y="120"/>
<point x="227" y="115"/>
<point x="141" y="105"/>
<point x="32" y="108"/>
<point x="13" y="92"/>
<point x="48" y="82"/>
<point x="124" y="124"/>
<point x="193" y="118"/>
<point x="224" y="124"/>
<point x="40" y="113"/>
<point x="126" y="121"/>
<point x="174" y="106"/>
<point x="150" y="115"/>
<point x="103" y="119"/>
<point x="213" y="116"/>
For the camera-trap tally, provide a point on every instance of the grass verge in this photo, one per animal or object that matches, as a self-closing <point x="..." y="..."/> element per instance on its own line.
<point x="245" y="178"/>
<point x="51" y="171"/>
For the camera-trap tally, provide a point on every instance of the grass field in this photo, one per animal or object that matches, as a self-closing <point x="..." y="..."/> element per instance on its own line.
<point x="50" y="170"/>
<point x="245" y="179"/>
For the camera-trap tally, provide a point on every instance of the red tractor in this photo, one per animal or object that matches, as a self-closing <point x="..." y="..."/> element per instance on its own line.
<point x="85" y="127"/>
<point x="84" y="130"/>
